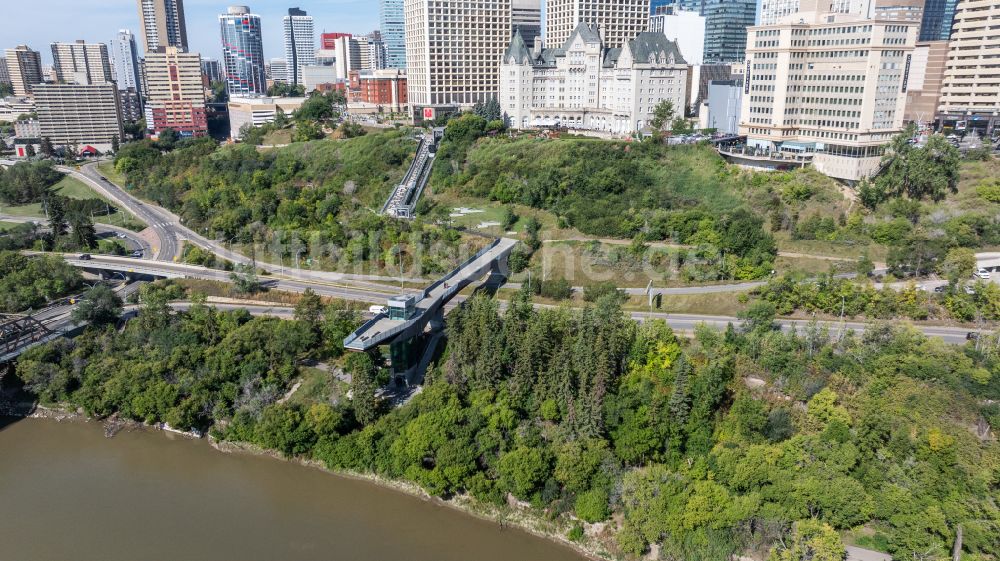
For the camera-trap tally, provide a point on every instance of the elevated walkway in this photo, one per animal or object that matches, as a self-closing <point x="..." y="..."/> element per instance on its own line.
<point x="382" y="330"/>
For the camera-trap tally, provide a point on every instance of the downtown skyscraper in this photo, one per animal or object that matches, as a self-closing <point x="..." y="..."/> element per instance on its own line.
<point x="81" y="62"/>
<point x="125" y="61"/>
<point x="618" y="21"/>
<point x="300" y="44"/>
<point x="726" y="23"/>
<point x="163" y="24"/>
<point x="939" y="15"/>
<point x="393" y="28"/>
<point x="242" y="52"/>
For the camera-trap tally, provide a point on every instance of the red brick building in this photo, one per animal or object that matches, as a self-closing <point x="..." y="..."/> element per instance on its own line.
<point x="329" y="40"/>
<point x="381" y="87"/>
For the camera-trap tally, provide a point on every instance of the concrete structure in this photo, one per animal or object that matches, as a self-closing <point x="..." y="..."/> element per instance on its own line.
<point x="125" y="61"/>
<point x="587" y="85"/>
<point x="258" y="111"/>
<point x="376" y="51"/>
<point x="526" y="16"/>
<point x="81" y="62"/>
<point x="393" y="29"/>
<point x="131" y="103"/>
<point x="619" y="21"/>
<point x="771" y="12"/>
<point x="899" y="10"/>
<point x="724" y="100"/>
<point x="300" y="44"/>
<point x="27" y="128"/>
<point x="970" y="93"/>
<point x="824" y="88"/>
<point x="314" y="77"/>
<point x="163" y="24"/>
<point x="277" y="70"/>
<point x="701" y="75"/>
<point x="4" y="75"/>
<point x="926" y="77"/>
<point x="79" y="114"/>
<point x="24" y="68"/>
<point x="13" y="107"/>
<point x="726" y="23"/>
<point x="939" y="15"/>
<point x="686" y="28"/>
<point x="242" y="52"/>
<point x="175" y="92"/>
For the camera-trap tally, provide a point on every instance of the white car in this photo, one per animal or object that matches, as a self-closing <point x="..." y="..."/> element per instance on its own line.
<point x="378" y="310"/>
<point x="983" y="273"/>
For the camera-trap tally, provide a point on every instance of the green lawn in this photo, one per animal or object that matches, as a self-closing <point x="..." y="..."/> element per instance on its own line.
<point x="317" y="386"/>
<point x="8" y="225"/>
<point x="73" y="188"/>
<point x="109" y="171"/>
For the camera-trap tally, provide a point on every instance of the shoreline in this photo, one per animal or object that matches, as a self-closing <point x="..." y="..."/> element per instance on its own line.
<point x="517" y="518"/>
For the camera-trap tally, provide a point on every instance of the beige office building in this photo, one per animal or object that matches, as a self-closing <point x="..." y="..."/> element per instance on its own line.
<point x="81" y="62"/>
<point x="79" y="114"/>
<point x="970" y="94"/>
<point x="24" y="68"/>
<point x="258" y="111"/>
<point x="453" y="51"/>
<point x="822" y="88"/>
<point x="175" y="93"/>
<point x="618" y="21"/>
<point x="926" y="77"/>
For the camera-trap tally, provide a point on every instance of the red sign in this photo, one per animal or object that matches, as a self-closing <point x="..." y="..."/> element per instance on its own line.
<point x="429" y="113"/>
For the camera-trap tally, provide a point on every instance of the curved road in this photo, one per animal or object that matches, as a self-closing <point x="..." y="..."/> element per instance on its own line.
<point x="134" y="241"/>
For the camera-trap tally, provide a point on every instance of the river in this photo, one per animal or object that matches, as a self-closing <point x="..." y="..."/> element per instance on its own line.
<point x="67" y="492"/>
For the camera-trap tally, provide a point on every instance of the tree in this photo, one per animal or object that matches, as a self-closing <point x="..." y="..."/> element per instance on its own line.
<point x="811" y="540"/>
<point x="280" y="118"/>
<point x="309" y="309"/>
<point x="46" y="147"/>
<point x="663" y="114"/>
<point x="115" y="144"/>
<point x="362" y="369"/>
<point x="930" y="171"/>
<point x="99" y="306"/>
<point x="245" y="279"/>
<point x="55" y="208"/>
<point x="306" y="131"/>
<point x="82" y="227"/>
<point x="167" y="139"/>
<point x="29" y="150"/>
<point x="523" y="470"/>
<point x="865" y="266"/>
<point x="958" y="264"/>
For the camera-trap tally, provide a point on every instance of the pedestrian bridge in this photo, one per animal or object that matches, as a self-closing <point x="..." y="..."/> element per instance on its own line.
<point x="409" y="315"/>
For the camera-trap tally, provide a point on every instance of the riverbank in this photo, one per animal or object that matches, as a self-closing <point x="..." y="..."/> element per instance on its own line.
<point x="517" y="516"/>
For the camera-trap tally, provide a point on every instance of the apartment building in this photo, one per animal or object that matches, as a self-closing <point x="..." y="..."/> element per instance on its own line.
<point x="453" y="51"/>
<point x="24" y="68"/>
<point x="300" y="44"/>
<point x="970" y="92"/>
<point x="585" y="84"/>
<point x="81" y="62"/>
<point x="826" y="88"/>
<point x="175" y="92"/>
<point x="163" y="24"/>
<point x="79" y="114"/>
<point x="618" y="21"/>
<point x="242" y="52"/>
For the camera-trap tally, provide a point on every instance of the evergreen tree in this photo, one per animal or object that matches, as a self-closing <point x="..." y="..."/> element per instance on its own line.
<point x="55" y="208"/>
<point x="82" y="227"/>
<point x="46" y="147"/>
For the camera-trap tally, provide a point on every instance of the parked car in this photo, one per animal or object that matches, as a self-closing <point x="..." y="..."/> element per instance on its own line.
<point x="378" y="310"/>
<point x="970" y="290"/>
<point x="939" y="288"/>
<point x="137" y="254"/>
<point x="85" y="257"/>
<point x="983" y="273"/>
<point x="972" y="336"/>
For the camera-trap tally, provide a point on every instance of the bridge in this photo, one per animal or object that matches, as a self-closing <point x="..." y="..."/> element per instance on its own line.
<point x="404" y="197"/>
<point x="409" y="315"/>
<point x="19" y="333"/>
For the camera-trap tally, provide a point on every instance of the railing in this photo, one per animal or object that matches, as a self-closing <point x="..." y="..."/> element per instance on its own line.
<point x="465" y="264"/>
<point x="795" y="157"/>
<point x="400" y="193"/>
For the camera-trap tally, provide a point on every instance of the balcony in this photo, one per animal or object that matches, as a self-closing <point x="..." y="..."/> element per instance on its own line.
<point x="749" y="156"/>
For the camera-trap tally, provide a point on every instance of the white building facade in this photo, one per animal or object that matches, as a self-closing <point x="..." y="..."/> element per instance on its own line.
<point x="687" y="28"/>
<point x="300" y="44"/>
<point x="619" y="21"/>
<point x="825" y="88"/>
<point x="587" y="85"/>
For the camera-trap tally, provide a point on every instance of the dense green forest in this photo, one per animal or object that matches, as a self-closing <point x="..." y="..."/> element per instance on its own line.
<point x="33" y="282"/>
<point x="745" y="440"/>
<point x="316" y="199"/>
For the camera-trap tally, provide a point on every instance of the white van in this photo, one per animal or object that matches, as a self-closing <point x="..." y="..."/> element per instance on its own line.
<point x="376" y="310"/>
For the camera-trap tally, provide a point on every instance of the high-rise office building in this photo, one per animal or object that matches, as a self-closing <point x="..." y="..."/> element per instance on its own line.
<point x="393" y="27"/>
<point x="926" y="77"/>
<point x="772" y="11"/>
<point x="526" y="17"/>
<point x="24" y="67"/>
<point x="939" y="16"/>
<point x="242" y="52"/>
<point x="899" y="10"/>
<point x="211" y="69"/>
<point x="125" y="61"/>
<point x="726" y="23"/>
<point x="467" y="71"/>
<point x="4" y="74"/>
<point x="277" y="69"/>
<point x="687" y="28"/>
<point x="300" y="44"/>
<point x="666" y="6"/>
<point x="618" y="21"/>
<point x="175" y="92"/>
<point x="163" y="24"/>
<point x="970" y="93"/>
<point x="826" y="88"/>
<point x="376" y="51"/>
<point x="79" y="114"/>
<point x="81" y="62"/>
